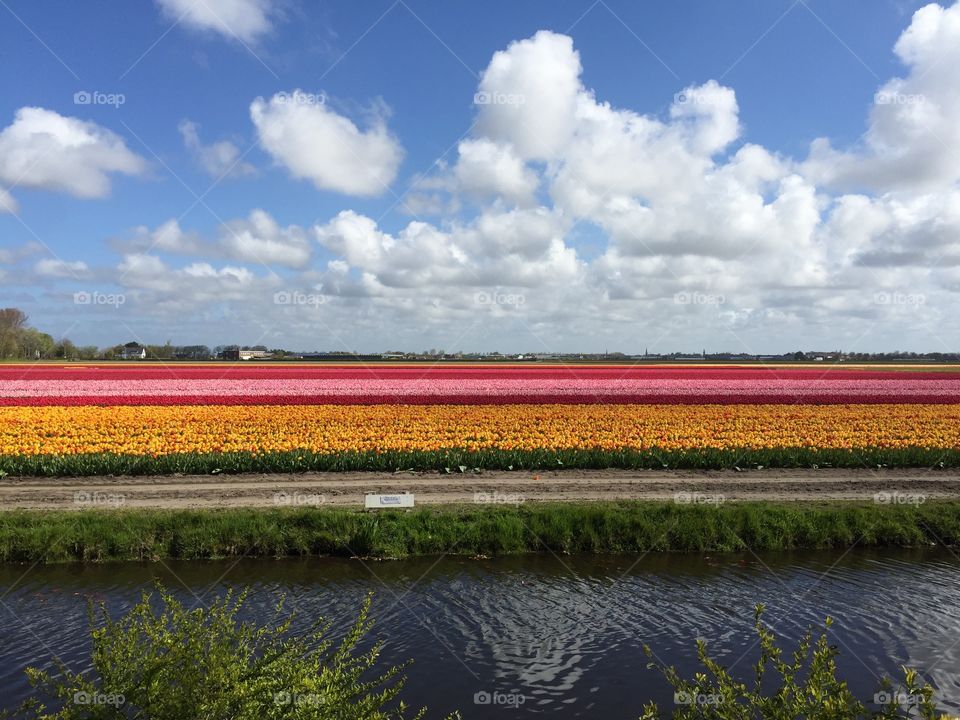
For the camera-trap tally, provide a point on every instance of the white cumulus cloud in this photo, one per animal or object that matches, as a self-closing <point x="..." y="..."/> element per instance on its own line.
<point x="914" y="123"/>
<point x="245" y="20"/>
<point x="313" y="142"/>
<point x="257" y="239"/>
<point x="528" y="95"/>
<point x="219" y="159"/>
<point x="260" y="239"/>
<point x="489" y="169"/>
<point x="54" y="267"/>
<point x="7" y="203"/>
<point x="45" y="150"/>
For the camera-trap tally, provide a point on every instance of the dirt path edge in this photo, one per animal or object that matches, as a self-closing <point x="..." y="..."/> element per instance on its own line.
<point x="884" y="486"/>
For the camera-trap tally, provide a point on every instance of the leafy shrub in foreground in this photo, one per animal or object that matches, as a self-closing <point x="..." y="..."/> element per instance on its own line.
<point x="805" y="686"/>
<point x="176" y="663"/>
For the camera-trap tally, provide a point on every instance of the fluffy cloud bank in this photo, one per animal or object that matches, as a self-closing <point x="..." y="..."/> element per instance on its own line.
<point x="583" y="223"/>
<point x="697" y="228"/>
<point x="257" y="239"/>
<point x="676" y="209"/>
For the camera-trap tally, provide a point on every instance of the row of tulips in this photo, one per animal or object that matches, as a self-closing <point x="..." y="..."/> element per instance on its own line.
<point x="332" y="429"/>
<point x="277" y="371"/>
<point x="180" y="418"/>
<point x="465" y="391"/>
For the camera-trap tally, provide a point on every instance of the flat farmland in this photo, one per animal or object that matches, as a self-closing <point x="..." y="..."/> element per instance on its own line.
<point x="155" y="419"/>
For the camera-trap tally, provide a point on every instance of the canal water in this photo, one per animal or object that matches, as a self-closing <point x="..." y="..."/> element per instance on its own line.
<point x="540" y="634"/>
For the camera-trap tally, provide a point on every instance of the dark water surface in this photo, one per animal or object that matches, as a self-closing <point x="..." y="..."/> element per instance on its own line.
<point x="563" y="634"/>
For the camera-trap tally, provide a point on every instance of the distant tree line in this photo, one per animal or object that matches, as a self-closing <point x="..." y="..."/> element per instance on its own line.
<point x="167" y="351"/>
<point x="893" y="356"/>
<point x="19" y="341"/>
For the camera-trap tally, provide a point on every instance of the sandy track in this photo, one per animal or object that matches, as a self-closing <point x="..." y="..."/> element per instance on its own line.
<point x="348" y="489"/>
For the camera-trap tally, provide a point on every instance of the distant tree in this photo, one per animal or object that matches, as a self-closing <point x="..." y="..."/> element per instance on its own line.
<point x="191" y="352"/>
<point x="65" y="349"/>
<point x="160" y="352"/>
<point x="35" y="345"/>
<point x="13" y="321"/>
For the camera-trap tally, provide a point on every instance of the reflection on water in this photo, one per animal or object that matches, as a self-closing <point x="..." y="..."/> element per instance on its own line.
<point x="562" y="635"/>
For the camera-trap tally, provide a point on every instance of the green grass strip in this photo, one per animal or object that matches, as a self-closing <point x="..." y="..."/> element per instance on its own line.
<point x="453" y="460"/>
<point x="622" y="528"/>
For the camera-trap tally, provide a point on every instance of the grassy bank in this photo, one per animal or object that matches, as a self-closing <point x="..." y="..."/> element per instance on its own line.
<point x="626" y="527"/>
<point x="461" y="460"/>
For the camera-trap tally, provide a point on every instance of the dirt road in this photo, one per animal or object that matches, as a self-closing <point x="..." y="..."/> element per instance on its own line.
<point x="348" y="489"/>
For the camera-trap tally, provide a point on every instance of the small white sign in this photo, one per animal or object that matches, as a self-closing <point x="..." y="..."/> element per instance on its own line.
<point x="379" y="502"/>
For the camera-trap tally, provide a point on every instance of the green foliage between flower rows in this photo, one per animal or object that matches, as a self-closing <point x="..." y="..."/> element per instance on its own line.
<point x="460" y="460"/>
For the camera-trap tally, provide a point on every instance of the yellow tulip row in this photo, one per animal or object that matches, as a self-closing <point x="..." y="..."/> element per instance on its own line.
<point x="138" y="430"/>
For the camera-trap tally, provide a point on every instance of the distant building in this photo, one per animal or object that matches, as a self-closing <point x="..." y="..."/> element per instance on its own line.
<point x="247" y="354"/>
<point x="133" y="352"/>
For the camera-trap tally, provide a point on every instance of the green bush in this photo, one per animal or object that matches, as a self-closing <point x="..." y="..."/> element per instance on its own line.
<point x="176" y="663"/>
<point x="805" y="686"/>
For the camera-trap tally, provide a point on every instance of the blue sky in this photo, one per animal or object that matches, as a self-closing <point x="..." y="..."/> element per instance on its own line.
<point x="407" y="73"/>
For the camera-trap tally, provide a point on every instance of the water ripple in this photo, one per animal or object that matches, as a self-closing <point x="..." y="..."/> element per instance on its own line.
<point x="565" y="635"/>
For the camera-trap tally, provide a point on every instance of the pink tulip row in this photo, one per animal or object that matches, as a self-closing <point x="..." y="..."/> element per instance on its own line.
<point x="461" y="390"/>
<point x="446" y="371"/>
